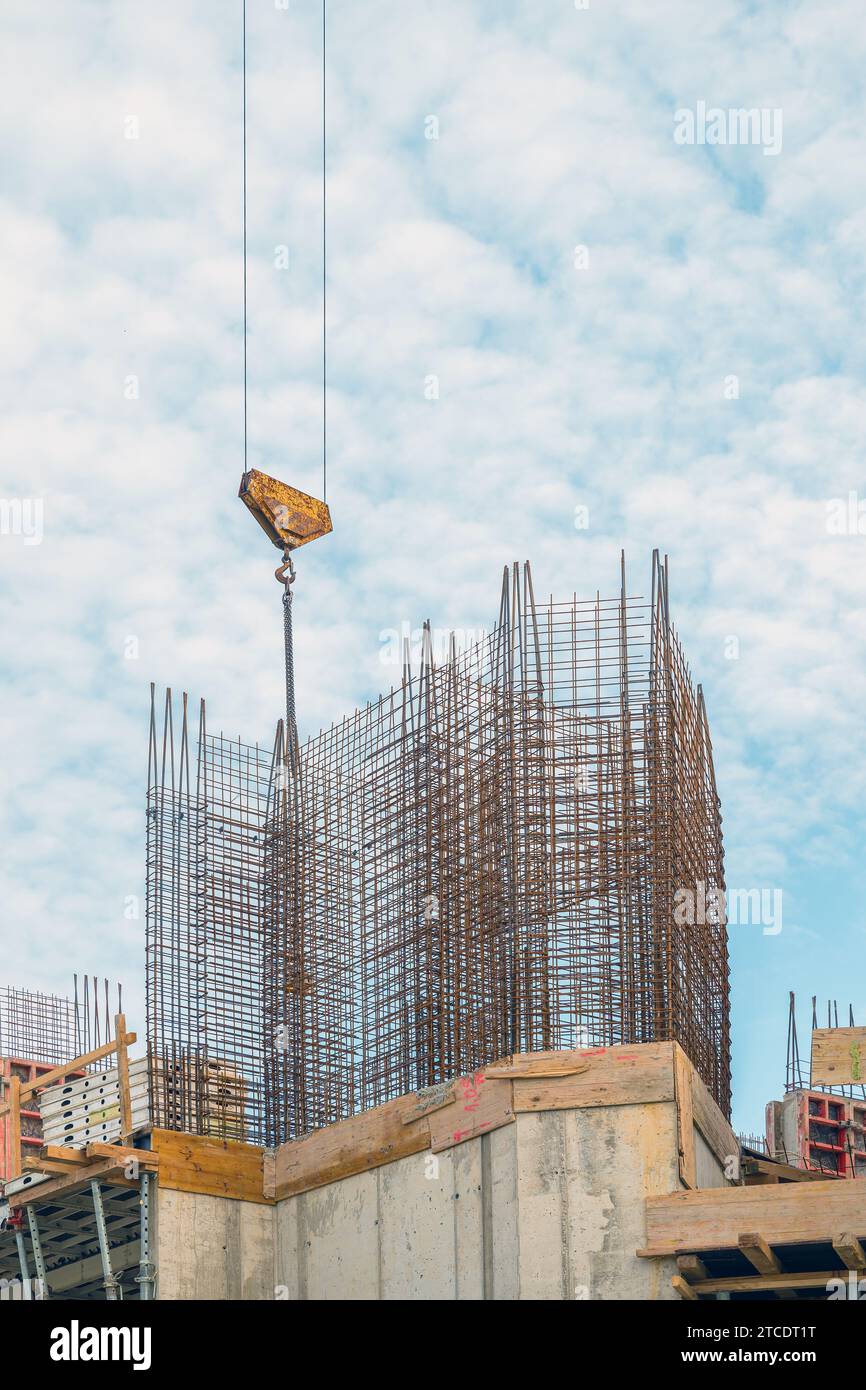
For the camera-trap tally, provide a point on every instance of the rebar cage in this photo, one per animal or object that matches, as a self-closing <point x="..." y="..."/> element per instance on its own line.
<point x="484" y="861"/>
<point x="52" y="1029"/>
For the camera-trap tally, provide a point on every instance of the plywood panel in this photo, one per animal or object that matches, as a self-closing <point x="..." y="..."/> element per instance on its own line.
<point x="709" y="1118"/>
<point x="479" y="1106"/>
<point x="351" y="1146"/>
<point x="615" y="1076"/>
<point x="217" y="1167"/>
<point x="838" y="1056"/>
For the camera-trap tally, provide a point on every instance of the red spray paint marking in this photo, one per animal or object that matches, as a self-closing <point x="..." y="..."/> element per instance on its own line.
<point x="471" y="1086"/>
<point x="468" y="1133"/>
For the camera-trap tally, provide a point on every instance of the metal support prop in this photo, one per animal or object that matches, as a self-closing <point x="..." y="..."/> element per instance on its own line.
<point x="112" y="1284"/>
<point x="22" y="1260"/>
<point x="146" y="1277"/>
<point x="41" y="1280"/>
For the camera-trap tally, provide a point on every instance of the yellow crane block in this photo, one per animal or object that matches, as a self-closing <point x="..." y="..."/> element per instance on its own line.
<point x="289" y="518"/>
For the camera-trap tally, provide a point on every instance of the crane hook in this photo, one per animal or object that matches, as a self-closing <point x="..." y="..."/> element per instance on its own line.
<point x="280" y="571"/>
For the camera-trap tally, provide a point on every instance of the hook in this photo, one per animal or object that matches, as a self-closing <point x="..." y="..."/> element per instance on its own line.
<point x="280" y="571"/>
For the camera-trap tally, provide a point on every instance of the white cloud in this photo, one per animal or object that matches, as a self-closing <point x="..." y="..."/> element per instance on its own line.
<point x="558" y="386"/>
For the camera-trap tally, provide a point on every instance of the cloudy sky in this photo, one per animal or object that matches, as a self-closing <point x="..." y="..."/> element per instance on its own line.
<point x="668" y="333"/>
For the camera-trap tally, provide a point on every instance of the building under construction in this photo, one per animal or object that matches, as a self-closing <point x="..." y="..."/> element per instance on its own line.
<point x="438" y="951"/>
<point x="482" y="862"/>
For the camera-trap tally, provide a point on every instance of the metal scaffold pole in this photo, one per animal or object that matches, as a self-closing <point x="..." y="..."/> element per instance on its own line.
<point x="113" y="1292"/>
<point x="146" y="1277"/>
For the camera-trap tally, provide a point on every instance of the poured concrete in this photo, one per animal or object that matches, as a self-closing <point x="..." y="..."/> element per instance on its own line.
<point x="549" y="1207"/>
<point x="213" y="1247"/>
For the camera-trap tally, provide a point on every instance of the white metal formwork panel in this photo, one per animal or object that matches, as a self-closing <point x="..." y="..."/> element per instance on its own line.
<point x="87" y="1110"/>
<point x="15" y="1185"/>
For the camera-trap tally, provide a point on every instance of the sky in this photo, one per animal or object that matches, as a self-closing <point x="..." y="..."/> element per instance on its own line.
<point x="560" y="277"/>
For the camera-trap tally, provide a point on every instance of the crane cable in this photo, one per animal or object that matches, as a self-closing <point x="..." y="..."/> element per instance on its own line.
<point x="285" y="573"/>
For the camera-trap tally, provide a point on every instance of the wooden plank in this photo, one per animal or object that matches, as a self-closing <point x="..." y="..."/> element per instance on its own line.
<point x="615" y="1076"/>
<point x="850" y="1252"/>
<point x="59" y="1153"/>
<point x="710" y="1120"/>
<point x="768" y="1283"/>
<point x="479" y="1107"/>
<point x="351" y="1146"/>
<point x="758" y="1253"/>
<point x="105" y="1170"/>
<point x="122" y="1153"/>
<point x="215" y="1167"/>
<point x="50" y="1078"/>
<point x="428" y="1100"/>
<point x="45" y="1165"/>
<point x="767" y="1168"/>
<point x="838" y="1056"/>
<point x="784" y="1213"/>
<point x="53" y="1158"/>
<point x="13" y="1158"/>
<point x="692" y="1268"/>
<point x="685" y="1118"/>
<point x="123" y="1077"/>
<point x="684" y="1288"/>
<point x="269" y="1175"/>
<point x="540" y="1064"/>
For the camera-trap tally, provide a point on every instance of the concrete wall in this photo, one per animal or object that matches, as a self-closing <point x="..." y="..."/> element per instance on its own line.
<point x="550" y="1207"/>
<point x="213" y="1247"/>
<point x="411" y="1229"/>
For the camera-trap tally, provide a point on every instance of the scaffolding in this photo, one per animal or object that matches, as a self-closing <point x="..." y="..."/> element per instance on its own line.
<point x="489" y="859"/>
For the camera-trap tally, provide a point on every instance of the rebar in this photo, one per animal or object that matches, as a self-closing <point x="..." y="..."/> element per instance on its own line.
<point x="488" y="859"/>
<point x="52" y="1029"/>
<point x="36" y="1027"/>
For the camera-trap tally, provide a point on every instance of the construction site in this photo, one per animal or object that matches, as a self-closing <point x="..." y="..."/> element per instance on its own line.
<point x="424" y="1019"/>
